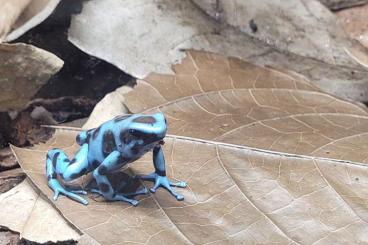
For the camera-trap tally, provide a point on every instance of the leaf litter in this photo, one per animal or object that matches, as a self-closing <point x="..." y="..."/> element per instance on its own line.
<point x="267" y="157"/>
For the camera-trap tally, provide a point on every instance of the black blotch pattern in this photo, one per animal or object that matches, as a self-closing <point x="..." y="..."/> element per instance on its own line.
<point x="126" y="137"/>
<point x="108" y="143"/>
<point x="54" y="159"/>
<point x="121" y="118"/>
<point x="66" y="160"/>
<point x="95" y="163"/>
<point x="160" y="172"/>
<point x="145" y="119"/>
<point x="146" y="137"/>
<point x="83" y="171"/>
<point x="52" y="176"/>
<point x="74" y="160"/>
<point x="80" y="173"/>
<point x="104" y="187"/>
<point x="123" y="159"/>
<point x="102" y="170"/>
<point x="88" y="137"/>
<point x="96" y="132"/>
<point x="78" y="140"/>
<point x="74" y="176"/>
<point x="135" y="149"/>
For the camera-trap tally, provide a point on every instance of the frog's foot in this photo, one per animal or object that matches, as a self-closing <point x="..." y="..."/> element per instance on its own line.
<point x="118" y="197"/>
<point x="58" y="189"/>
<point x="76" y="190"/>
<point x="163" y="181"/>
<point x="152" y="177"/>
<point x="141" y="191"/>
<point x="123" y="197"/>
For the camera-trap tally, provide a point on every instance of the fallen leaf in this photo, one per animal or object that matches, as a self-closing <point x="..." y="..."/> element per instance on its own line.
<point x="9" y="13"/>
<point x="297" y="35"/>
<point x="20" y="16"/>
<point x="25" y="211"/>
<point x="293" y="171"/>
<point x="342" y="4"/>
<point x="7" y="159"/>
<point x="355" y="23"/>
<point x="24" y="69"/>
<point x="10" y="178"/>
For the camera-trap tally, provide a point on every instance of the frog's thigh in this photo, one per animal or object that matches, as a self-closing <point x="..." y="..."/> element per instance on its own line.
<point x="107" y="166"/>
<point x="76" y="167"/>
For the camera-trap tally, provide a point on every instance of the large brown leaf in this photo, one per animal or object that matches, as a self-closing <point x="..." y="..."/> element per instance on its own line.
<point x="267" y="156"/>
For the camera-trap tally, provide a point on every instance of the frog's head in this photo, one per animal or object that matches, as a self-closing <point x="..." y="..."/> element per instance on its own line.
<point x="145" y="130"/>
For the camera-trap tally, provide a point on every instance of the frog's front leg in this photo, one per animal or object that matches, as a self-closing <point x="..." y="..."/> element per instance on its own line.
<point x="110" y="164"/>
<point x="159" y="176"/>
<point x="57" y="163"/>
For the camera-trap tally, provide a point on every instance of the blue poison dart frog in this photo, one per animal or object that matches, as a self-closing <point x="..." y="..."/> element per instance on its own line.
<point x="108" y="148"/>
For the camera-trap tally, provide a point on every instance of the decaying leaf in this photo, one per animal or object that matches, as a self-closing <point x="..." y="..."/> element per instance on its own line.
<point x="355" y="22"/>
<point x="9" y="13"/>
<point x="19" y="16"/>
<point x="299" y="35"/>
<point x="25" y="211"/>
<point x="341" y="4"/>
<point x="24" y="69"/>
<point x="268" y="159"/>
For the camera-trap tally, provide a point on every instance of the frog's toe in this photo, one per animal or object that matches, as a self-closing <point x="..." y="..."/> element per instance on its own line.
<point x="56" y="195"/>
<point x="74" y="197"/>
<point x="134" y="203"/>
<point x="181" y="184"/>
<point x="141" y="191"/>
<point x="96" y="191"/>
<point x="81" y="192"/>
<point x="163" y="181"/>
<point x="149" y="177"/>
<point x="76" y="191"/>
<point x="119" y="197"/>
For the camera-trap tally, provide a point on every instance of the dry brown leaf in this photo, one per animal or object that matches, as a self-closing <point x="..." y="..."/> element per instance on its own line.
<point x="304" y="183"/>
<point x="355" y="22"/>
<point x="25" y="211"/>
<point x="24" y="69"/>
<point x="299" y="35"/>
<point x="19" y="16"/>
<point x="341" y="4"/>
<point x="9" y="12"/>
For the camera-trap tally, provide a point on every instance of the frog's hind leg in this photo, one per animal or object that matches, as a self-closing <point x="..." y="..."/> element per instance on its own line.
<point x="105" y="188"/>
<point x="58" y="164"/>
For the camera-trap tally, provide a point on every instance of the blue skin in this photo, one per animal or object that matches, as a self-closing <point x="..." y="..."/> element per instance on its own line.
<point x="108" y="148"/>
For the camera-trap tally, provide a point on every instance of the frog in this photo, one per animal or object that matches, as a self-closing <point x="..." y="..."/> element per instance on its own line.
<point x="109" y="148"/>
